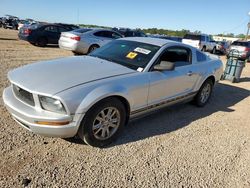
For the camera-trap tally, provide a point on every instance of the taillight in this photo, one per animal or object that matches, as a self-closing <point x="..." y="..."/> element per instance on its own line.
<point x="78" y="38"/>
<point x="27" y="31"/>
<point x="247" y="49"/>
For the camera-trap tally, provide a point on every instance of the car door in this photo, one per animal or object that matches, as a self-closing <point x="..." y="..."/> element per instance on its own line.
<point x="52" y="34"/>
<point x="166" y="85"/>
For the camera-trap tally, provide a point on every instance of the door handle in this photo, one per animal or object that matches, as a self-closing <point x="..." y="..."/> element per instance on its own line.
<point x="190" y="73"/>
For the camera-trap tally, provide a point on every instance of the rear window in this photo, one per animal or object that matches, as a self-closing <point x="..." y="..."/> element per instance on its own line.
<point x="238" y="43"/>
<point x="192" y="37"/>
<point x="34" y="26"/>
<point x="83" y="30"/>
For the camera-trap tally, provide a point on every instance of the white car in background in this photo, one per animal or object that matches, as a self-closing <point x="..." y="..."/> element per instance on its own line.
<point x="85" y="40"/>
<point x="200" y="41"/>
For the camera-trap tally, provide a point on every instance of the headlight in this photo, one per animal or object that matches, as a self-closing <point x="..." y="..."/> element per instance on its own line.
<point x="53" y="105"/>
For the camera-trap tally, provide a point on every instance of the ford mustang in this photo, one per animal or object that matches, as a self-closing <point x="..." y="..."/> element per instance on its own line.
<point x="94" y="96"/>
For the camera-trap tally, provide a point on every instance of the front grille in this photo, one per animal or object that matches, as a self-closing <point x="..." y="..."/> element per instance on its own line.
<point x="23" y="95"/>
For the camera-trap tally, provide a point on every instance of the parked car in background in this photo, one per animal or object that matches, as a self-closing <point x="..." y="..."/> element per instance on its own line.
<point x="173" y="38"/>
<point x="69" y="26"/>
<point x="95" y="96"/>
<point x="126" y="32"/>
<point x="201" y="41"/>
<point x="85" y="40"/>
<point x="243" y="47"/>
<point x="10" y="22"/>
<point x="1" y="22"/>
<point x="26" y="23"/>
<point x="42" y="34"/>
<point x="222" y="47"/>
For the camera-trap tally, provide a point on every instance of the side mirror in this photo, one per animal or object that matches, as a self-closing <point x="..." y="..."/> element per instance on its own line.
<point x="165" y="66"/>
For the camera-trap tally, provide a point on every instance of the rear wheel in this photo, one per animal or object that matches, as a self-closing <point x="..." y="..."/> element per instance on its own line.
<point x="42" y="42"/>
<point x="76" y="53"/>
<point x="203" y="48"/>
<point x="93" y="47"/>
<point x="103" y="123"/>
<point x="214" y="51"/>
<point x="204" y="93"/>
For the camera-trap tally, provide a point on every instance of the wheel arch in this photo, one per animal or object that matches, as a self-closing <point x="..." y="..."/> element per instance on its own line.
<point x="101" y="93"/>
<point x="121" y="98"/>
<point x="211" y="77"/>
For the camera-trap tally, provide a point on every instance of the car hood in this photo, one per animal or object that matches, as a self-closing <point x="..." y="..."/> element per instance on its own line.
<point x="54" y="76"/>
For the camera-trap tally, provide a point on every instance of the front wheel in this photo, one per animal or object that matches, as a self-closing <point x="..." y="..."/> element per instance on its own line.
<point x="103" y="123"/>
<point x="204" y="93"/>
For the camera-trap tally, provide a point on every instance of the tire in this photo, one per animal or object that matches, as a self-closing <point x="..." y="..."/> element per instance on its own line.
<point x="204" y="94"/>
<point x="93" y="47"/>
<point x="76" y="53"/>
<point x="42" y="42"/>
<point x="214" y="51"/>
<point x="103" y="133"/>
<point x="203" y="49"/>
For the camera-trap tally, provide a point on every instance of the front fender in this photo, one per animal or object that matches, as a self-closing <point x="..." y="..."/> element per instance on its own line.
<point x="100" y="93"/>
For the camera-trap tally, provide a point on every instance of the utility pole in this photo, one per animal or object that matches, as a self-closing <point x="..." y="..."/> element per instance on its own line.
<point x="78" y="16"/>
<point x="248" y="28"/>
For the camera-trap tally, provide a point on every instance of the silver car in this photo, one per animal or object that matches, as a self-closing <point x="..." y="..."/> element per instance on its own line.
<point x="94" y="96"/>
<point x="85" y="40"/>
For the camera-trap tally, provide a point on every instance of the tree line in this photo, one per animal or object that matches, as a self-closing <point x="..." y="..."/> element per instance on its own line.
<point x="177" y="33"/>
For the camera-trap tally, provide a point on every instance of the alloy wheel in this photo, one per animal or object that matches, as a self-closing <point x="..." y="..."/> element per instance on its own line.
<point x="106" y="123"/>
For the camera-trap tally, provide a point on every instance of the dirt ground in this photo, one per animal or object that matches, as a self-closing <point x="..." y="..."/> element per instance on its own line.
<point x="181" y="146"/>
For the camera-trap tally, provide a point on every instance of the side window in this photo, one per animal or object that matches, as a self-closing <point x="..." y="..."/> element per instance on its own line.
<point x="200" y="56"/>
<point x="203" y="38"/>
<point x="99" y="34"/>
<point x="181" y="56"/>
<point x="51" y="29"/>
<point x="61" y="29"/>
<point x="207" y="38"/>
<point x="106" y="34"/>
<point x="115" y="35"/>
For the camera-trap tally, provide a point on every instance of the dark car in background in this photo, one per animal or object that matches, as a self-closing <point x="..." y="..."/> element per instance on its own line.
<point x="126" y="32"/>
<point x="10" y="22"/>
<point x="1" y="21"/>
<point x="173" y="38"/>
<point x="68" y="26"/>
<point x="43" y="34"/>
<point x="243" y="47"/>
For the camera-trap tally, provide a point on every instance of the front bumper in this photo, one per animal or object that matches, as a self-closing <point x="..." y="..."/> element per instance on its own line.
<point x="27" y="116"/>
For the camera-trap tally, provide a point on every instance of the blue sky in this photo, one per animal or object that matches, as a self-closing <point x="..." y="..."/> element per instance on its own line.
<point x="208" y="16"/>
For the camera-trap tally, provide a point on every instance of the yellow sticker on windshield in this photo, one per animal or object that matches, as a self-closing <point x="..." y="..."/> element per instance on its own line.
<point x="131" y="55"/>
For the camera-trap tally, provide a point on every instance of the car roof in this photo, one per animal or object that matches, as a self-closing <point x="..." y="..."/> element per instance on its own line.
<point x="149" y="40"/>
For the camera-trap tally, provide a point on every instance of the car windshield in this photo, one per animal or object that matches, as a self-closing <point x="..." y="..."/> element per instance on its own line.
<point x="131" y="54"/>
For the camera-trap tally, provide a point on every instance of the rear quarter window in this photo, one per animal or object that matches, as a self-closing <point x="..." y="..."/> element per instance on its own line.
<point x="200" y="56"/>
<point x="192" y="37"/>
<point x="237" y="43"/>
